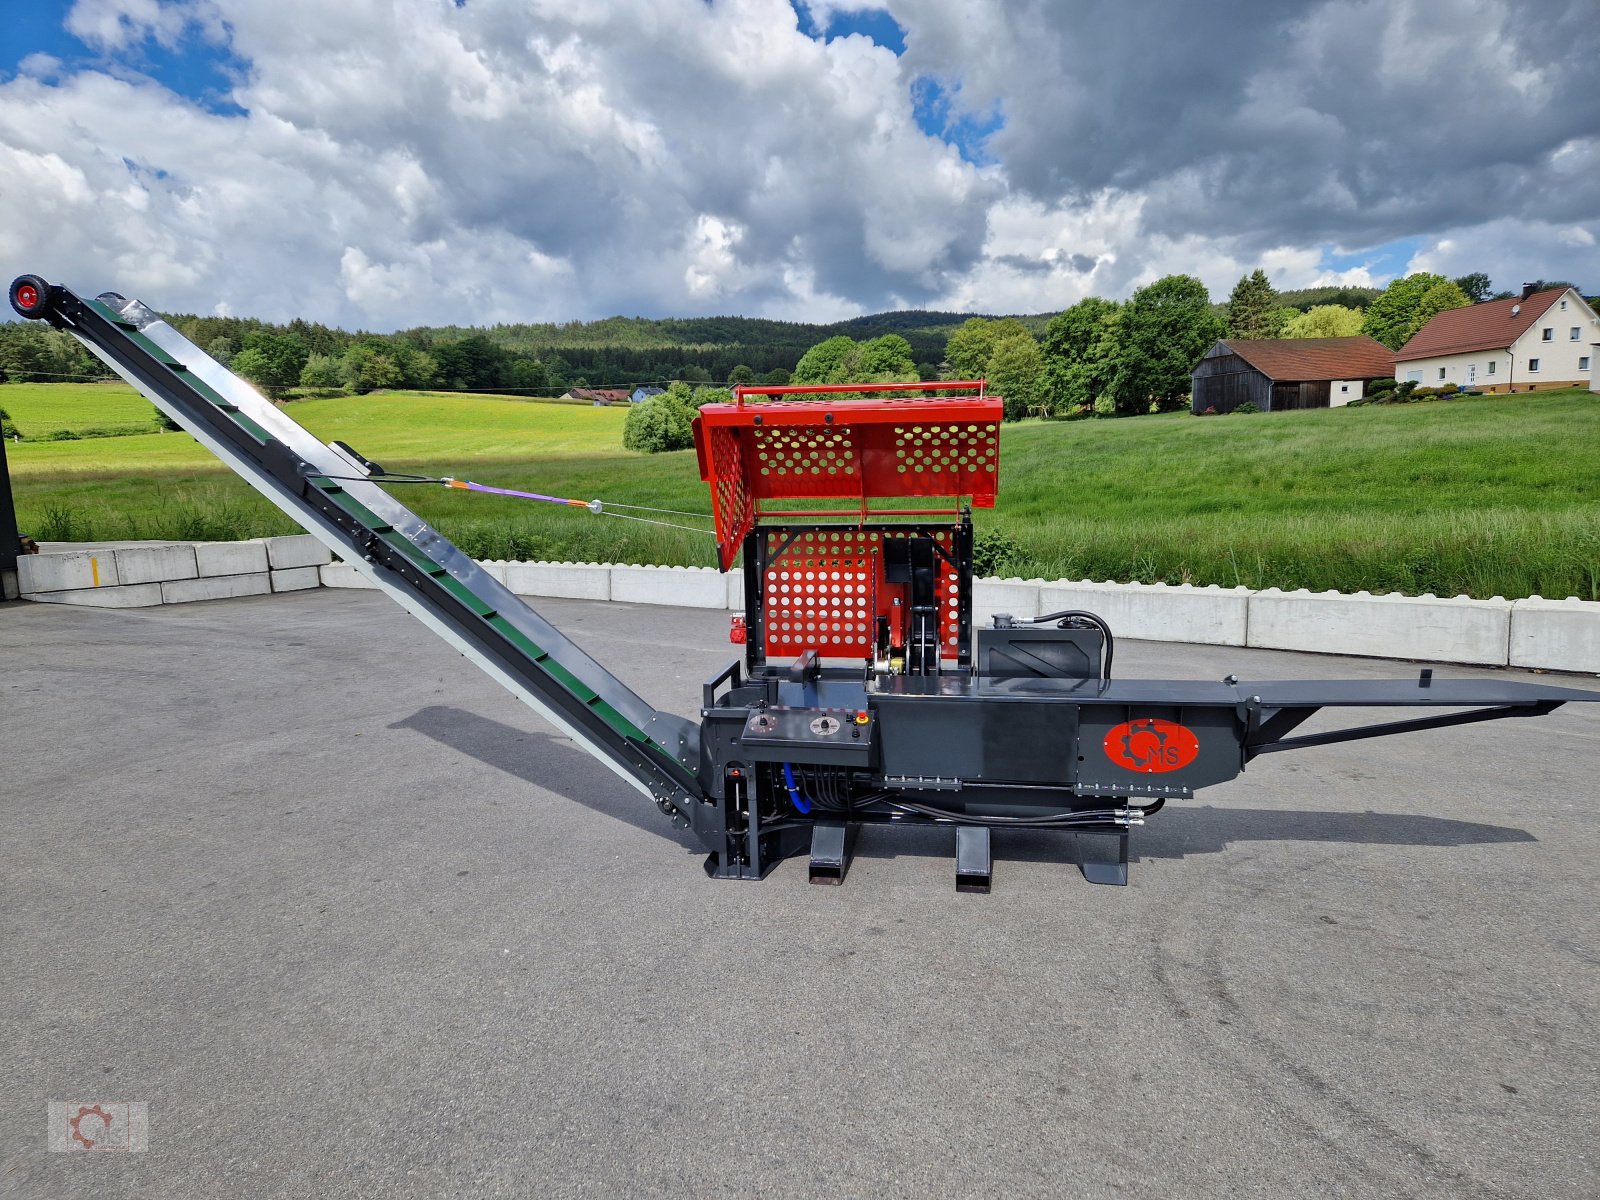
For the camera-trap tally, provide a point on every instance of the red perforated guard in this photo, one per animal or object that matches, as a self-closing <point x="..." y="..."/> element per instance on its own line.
<point x="823" y="590"/>
<point x="843" y="449"/>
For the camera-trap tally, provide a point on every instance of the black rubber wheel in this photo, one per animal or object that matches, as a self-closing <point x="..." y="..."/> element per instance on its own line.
<point x="29" y="295"/>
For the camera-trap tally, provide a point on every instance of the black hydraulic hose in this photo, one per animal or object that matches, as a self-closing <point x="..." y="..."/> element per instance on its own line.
<point x="1054" y="820"/>
<point x="1079" y="614"/>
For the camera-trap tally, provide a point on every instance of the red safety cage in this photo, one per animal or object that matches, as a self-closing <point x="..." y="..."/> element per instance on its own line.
<point x="835" y="445"/>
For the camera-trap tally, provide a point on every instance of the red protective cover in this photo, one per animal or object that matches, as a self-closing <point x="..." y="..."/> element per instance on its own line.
<point x="846" y="448"/>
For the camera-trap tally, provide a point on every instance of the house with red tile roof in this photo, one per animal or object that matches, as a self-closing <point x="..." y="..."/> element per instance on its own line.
<point x="1521" y="344"/>
<point x="1279" y="374"/>
<point x="598" y="396"/>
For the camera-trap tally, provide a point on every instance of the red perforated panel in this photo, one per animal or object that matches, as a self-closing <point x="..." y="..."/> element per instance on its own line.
<point x="823" y="591"/>
<point x="842" y="448"/>
<point x="820" y="594"/>
<point x="731" y="502"/>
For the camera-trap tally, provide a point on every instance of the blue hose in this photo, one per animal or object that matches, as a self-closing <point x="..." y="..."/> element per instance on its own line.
<point x="800" y="802"/>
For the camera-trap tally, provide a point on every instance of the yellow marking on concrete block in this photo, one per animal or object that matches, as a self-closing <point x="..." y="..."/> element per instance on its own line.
<point x="94" y="568"/>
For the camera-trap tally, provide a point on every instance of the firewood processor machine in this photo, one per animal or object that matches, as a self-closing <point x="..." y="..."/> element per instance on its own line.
<point x="864" y="693"/>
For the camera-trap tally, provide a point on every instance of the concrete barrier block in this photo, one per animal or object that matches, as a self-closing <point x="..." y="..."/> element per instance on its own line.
<point x="1556" y="635"/>
<point x="736" y="590"/>
<point x="296" y="579"/>
<point x="1158" y="612"/>
<point x="230" y="558"/>
<point x="572" y="581"/>
<point x="156" y="564"/>
<point x="681" y="587"/>
<point x="137" y="595"/>
<point x="224" y="587"/>
<point x="1019" y="597"/>
<point x="297" y="550"/>
<point x="343" y="575"/>
<point x="66" y="572"/>
<point x="1427" y="628"/>
<point x="495" y="567"/>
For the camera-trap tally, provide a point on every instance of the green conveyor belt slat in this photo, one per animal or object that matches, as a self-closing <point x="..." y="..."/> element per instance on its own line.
<point x="467" y="596"/>
<point x="407" y="547"/>
<point x="250" y="427"/>
<point x="361" y="513"/>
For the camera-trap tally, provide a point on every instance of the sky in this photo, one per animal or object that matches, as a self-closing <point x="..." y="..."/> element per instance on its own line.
<point x="381" y="164"/>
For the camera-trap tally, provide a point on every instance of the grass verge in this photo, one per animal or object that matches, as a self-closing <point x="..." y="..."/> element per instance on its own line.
<point x="1486" y="496"/>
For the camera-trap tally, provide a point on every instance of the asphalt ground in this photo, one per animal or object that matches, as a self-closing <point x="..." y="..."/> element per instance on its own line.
<point x="354" y="922"/>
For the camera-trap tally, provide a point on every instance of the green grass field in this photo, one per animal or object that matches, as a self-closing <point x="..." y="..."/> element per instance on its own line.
<point x="1485" y="496"/>
<point x="41" y="408"/>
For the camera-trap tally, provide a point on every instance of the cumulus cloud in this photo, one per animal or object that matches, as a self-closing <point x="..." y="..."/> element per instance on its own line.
<point x="393" y="162"/>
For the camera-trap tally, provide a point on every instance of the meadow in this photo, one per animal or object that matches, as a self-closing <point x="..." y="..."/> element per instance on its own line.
<point x="1481" y="496"/>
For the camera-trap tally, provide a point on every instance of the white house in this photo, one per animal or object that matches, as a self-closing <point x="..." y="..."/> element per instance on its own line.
<point x="1540" y="340"/>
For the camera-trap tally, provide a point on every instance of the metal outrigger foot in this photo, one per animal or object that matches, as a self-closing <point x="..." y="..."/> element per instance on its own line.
<point x="974" y="860"/>
<point x="1101" y="871"/>
<point x="833" y="844"/>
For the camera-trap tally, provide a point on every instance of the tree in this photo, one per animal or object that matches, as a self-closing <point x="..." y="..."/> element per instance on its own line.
<point x="418" y="368"/>
<point x="1281" y="316"/>
<point x="711" y="395"/>
<point x="471" y="364"/>
<point x="972" y="344"/>
<point x="1016" y="371"/>
<point x="819" y="362"/>
<point x="1250" y="307"/>
<point x="1441" y="297"/>
<point x="1394" y="316"/>
<point x="1080" y="353"/>
<point x="32" y="353"/>
<point x="777" y="377"/>
<point x="528" y="375"/>
<point x="1325" y="321"/>
<point x="661" y="423"/>
<point x="367" y="368"/>
<point x="321" y="374"/>
<point x="1476" y="286"/>
<point x="1165" y="329"/>
<point x="741" y="375"/>
<point x="271" y="361"/>
<point x="885" y="359"/>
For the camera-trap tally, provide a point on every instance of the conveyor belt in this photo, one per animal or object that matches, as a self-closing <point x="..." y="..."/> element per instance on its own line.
<point x="436" y="582"/>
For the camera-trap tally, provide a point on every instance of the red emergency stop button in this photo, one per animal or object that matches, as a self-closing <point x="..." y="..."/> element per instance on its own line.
<point x="862" y="717"/>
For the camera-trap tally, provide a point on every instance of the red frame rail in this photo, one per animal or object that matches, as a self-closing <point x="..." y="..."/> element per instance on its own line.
<point x="845" y="449"/>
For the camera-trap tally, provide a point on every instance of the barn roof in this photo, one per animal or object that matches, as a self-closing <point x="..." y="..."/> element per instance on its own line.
<point x="1489" y="326"/>
<point x="1301" y="359"/>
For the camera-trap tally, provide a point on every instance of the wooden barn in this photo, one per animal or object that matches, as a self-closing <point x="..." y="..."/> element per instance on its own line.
<point x="1288" y="373"/>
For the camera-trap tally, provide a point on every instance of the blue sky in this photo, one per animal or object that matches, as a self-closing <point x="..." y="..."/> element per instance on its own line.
<point x="932" y="102"/>
<point x="196" y="69"/>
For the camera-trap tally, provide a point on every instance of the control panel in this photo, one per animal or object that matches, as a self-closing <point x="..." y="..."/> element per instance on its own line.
<point x="830" y="736"/>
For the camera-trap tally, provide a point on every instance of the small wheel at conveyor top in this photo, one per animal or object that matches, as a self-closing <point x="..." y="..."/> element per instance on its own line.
<point x="29" y="295"/>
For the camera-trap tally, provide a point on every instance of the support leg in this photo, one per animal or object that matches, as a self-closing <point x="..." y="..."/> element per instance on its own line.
<point x="1100" y="871"/>
<point x="974" y="862"/>
<point x="832" y="843"/>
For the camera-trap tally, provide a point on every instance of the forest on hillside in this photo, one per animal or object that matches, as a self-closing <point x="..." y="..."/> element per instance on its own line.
<point x="544" y="359"/>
